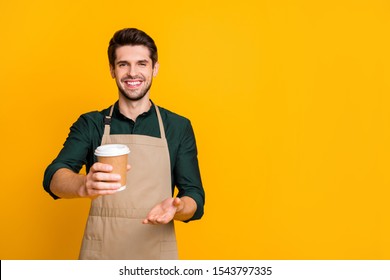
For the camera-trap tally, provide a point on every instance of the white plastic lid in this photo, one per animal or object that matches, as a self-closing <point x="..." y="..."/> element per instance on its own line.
<point x="110" y="150"/>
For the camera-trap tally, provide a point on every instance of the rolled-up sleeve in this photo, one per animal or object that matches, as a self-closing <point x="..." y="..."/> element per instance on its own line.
<point x="186" y="171"/>
<point x="74" y="153"/>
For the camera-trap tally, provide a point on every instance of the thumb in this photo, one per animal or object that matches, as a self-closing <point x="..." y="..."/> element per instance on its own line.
<point x="177" y="202"/>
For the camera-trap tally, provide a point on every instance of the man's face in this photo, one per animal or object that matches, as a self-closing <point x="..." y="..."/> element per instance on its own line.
<point x="133" y="72"/>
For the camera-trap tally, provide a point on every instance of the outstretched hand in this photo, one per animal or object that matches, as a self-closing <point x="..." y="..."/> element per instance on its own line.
<point x="100" y="180"/>
<point x="164" y="212"/>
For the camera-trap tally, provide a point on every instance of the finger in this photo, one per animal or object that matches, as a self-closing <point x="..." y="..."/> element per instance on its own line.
<point x="162" y="220"/>
<point x="106" y="177"/>
<point x="101" y="167"/>
<point x="152" y="219"/>
<point x="96" y="193"/>
<point x="149" y="222"/>
<point x="103" y="186"/>
<point x="159" y="220"/>
<point x="98" y="190"/>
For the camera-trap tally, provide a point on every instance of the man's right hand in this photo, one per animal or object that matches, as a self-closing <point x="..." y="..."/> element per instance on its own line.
<point x="99" y="181"/>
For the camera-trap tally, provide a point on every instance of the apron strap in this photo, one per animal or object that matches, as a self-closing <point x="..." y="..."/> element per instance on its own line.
<point x="160" y="122"/>
<point x="107" y="122"/>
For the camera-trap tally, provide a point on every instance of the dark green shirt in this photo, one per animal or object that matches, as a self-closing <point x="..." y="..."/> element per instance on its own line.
<point x="86" y="135"/>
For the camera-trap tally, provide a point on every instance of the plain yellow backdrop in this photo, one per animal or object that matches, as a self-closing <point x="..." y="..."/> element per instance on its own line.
<point x="289" y="101"/>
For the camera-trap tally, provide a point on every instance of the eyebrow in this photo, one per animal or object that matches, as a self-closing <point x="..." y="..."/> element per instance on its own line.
<point x="121" y="61"/>
<point x="143" y="61"/>
<point x="126" y="62"/>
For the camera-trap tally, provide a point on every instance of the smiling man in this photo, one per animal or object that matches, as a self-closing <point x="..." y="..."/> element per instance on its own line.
<point x="136" y="223"/>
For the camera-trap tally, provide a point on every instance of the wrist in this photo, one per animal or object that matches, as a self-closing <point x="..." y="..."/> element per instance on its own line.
<point x="82" y="189"/>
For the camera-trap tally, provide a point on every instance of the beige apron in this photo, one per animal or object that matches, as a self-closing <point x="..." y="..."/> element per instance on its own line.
<point x="114" y="228"/>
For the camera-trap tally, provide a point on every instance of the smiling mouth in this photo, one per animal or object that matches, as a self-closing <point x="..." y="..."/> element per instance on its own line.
<point x="133" y="83"/>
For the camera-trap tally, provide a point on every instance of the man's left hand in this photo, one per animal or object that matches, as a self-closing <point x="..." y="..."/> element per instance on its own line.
<point x="164" y="212"/>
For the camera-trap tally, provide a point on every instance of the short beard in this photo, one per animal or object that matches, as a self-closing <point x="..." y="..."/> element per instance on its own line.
<point x="136" y="98"/>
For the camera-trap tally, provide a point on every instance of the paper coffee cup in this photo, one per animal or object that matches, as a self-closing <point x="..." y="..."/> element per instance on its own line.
<point x="115" y="155"/>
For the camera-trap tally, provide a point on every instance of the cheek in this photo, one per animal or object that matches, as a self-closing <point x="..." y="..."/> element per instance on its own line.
<point x="118" y="73"/>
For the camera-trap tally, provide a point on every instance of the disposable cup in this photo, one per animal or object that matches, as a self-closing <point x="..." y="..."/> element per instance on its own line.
<point x="116" y="155"/>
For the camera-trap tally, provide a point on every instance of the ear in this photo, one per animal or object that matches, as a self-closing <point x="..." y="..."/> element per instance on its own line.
<point x="155" y="69"/>
<point x="112" y="71"/>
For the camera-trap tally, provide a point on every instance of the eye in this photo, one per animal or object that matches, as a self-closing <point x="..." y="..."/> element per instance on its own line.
<point x="143" y="63"/>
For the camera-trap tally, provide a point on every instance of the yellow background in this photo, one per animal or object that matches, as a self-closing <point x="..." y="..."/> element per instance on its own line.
<point x="289" y="101"/>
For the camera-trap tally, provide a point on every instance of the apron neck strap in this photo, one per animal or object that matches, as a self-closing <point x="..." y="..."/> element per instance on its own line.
<point x="160" y="122"/>
<point x="107" y="122"/>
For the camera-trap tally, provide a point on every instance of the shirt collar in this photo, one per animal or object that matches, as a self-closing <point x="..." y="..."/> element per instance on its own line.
<point x="117" y="114"/>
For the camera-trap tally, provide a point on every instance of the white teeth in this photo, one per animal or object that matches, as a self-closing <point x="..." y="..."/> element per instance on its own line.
<point x="133" y="83"/>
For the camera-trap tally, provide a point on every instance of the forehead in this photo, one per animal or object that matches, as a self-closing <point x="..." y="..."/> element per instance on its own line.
<point x="132" y="53"/>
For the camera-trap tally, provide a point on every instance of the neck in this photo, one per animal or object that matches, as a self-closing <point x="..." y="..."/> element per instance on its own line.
<point x="132" y="109"/>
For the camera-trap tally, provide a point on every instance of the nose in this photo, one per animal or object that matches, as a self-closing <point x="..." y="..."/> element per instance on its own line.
<point x="132" y="72"/>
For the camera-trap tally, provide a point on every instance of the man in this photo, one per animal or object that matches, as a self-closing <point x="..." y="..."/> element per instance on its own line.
<point x="136" y="223"/>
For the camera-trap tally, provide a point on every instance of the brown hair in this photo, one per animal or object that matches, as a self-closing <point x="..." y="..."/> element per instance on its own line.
<point x="132" y="37"/>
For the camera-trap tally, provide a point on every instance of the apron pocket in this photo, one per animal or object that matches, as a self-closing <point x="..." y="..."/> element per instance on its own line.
<point x="168" y="246"/>
<point x="169" y="250"/>
<point x="93" y="239"/>
<point x="92" y="245"/>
